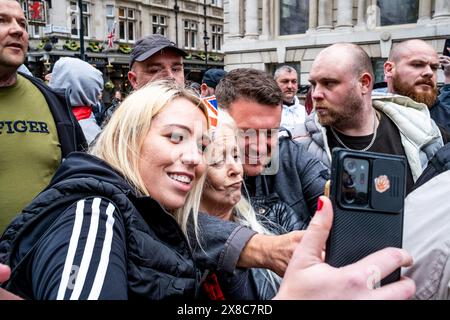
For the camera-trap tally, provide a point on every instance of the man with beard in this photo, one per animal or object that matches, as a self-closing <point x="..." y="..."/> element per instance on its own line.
<point x="294" y="113"/>
<point x="346" y="116"/>
<point x="411" y="71"/>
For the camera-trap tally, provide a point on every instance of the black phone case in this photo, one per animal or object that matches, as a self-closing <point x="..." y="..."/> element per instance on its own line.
<point x="358" y="232"/>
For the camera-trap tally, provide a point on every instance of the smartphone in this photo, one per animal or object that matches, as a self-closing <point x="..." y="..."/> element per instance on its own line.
<point x="446" y="51"/>
<point x="367" y="191"/>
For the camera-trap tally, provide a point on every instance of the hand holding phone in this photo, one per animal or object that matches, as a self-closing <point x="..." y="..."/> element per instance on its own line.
<point x="444" y="59"/>
<point x="367" y="193"/>
<point x="446" y="50"/>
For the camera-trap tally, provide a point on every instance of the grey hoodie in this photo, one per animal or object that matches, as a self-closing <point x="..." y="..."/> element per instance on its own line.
<point x="83" y="84"/>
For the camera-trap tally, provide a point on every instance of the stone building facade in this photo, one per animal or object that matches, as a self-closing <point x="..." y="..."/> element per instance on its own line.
<point x="266" y="33"/>
<point x="111" y="28"/>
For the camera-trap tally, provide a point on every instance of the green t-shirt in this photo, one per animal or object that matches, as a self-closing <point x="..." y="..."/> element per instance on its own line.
<point x="29" y="147"/>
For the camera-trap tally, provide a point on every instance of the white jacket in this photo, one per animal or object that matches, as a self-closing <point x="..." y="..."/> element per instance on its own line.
<point x="420" y="135"/>
<point x="426" y="236"/>
<point x="293" y="118"/>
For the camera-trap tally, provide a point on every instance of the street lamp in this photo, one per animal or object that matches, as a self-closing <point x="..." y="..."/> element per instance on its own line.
<point x="80" y="8"/>
<point x="176" y="8"/>
<point x="205" y="36"/>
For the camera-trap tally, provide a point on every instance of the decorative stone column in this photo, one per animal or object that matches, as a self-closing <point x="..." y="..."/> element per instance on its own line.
<point x="344" y="15"/>
<point x="251" y="19"/>
<point x="441" y="9"/>
<point x="234" y="14"/>
<point x="361" y="17"/>
<point x="325" y="15"/>
<point x="265" y="20"/>
<point x="312" y="15"/>
<point x="424" y="11"/>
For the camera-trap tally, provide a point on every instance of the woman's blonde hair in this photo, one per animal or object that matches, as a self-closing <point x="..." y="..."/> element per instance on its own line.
<point x="121" y="140"/>
<point x="243" y="212"/>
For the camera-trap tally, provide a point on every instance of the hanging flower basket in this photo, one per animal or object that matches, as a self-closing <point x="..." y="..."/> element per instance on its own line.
<point x="42" y="44"/>
<point x="109" y="85"/>
<point x="94" y="46"/>
<point x="124" y="48"/>
<point x="71" y="45"/>
<point x="215" y="58"/>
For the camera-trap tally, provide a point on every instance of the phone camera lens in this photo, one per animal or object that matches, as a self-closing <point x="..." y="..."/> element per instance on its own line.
<point x="350" y="166"/>
<point x="350" y="195"/>
<point x="348" y="181"/>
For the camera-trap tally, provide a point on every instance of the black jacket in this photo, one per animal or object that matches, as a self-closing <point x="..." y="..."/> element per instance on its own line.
<point x="70" y="135"/>
<point x="276" y="215"/>
<point x="148" y="255"/>
<point x="440" y="111"/>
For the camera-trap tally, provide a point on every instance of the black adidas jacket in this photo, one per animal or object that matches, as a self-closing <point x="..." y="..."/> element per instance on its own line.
<point x="87" y="235"/>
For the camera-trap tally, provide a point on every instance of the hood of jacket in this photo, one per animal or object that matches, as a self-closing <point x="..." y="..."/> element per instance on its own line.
<point x="82" y="81"/>
<point x="412" y="118"/>
<point x="81" y="165"/>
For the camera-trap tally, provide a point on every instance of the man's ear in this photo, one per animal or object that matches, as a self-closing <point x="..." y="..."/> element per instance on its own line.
<point x="366" y="80"/>
<point x="133" y="80"/>
<point x="388" y="69"/>
<point x="203" y="89"/>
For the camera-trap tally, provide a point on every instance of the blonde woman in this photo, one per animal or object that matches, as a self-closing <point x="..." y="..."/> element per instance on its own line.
<point x="222" y="198"/>
<point x="112" y="224"/>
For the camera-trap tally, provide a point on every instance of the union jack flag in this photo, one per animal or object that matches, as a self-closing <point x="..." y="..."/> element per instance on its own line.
<point x="213" y="110"/>
<point x="36" y="11"/>
<point x="111" y="36"/>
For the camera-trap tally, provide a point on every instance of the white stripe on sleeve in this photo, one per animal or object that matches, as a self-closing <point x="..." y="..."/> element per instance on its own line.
<point x="73" y="244"/>
<point x="104" y="260"/>
<point x="88" y="250"/>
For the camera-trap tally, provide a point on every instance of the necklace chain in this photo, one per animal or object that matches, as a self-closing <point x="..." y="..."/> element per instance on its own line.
<point x="375" y="128"/>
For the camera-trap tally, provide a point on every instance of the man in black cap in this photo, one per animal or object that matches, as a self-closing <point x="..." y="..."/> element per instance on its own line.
<point x="210" y="80"/>
<point x="155" y="57"/>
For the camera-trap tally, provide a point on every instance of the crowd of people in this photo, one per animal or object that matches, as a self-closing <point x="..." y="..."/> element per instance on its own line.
<point x="163" y="195"/>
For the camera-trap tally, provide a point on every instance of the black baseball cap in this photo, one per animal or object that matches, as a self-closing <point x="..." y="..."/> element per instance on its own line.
<point x="149" y="45"/>
<point x="213" y="76"/>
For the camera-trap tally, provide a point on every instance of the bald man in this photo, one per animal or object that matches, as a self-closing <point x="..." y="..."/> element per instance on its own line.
<point x="346" y="116"/>
<point x="411" y="71"/>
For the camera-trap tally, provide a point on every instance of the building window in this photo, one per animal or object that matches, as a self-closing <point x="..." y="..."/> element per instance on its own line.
<point x="217" y="36"/>
<point x="35" y="12"/>
<point x="127" y="23"/>
<point x="110" y="17"/>
<point x="398" y="11"/>
<point x="35" y="30"/>
<point x="378" y="69"/>
<point x="216" y="3"/>
<point x="159" y="25"/>
<point x="190" y="34"/>
<point x="75" y="19"/>
<point x="294" y="16"/>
